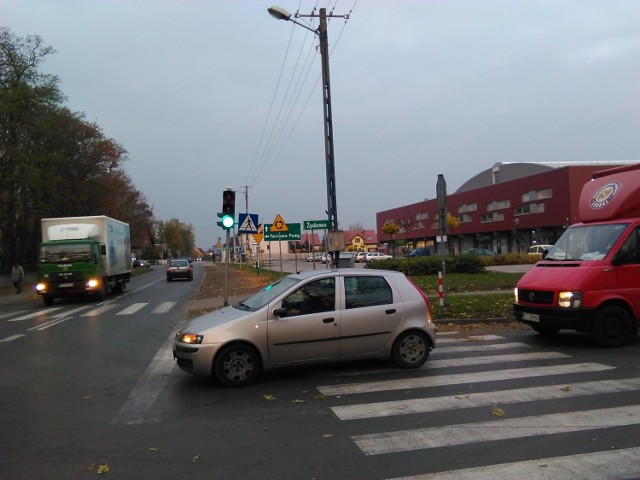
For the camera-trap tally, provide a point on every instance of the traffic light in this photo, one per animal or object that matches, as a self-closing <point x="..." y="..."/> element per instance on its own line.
<point x="228" y="210"/>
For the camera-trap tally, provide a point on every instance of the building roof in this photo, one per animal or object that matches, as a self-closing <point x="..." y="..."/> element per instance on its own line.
<point x="369" y="236"/>
<point x="505" y="171"/>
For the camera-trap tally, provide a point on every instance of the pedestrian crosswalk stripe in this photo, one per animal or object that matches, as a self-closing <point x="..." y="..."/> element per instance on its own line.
<point x="470" y="400"/>
<point x="132" y="309"/>
<point x="164" y="307"/>
<point x="439" y="380"/>
<point x="492" y="347"/>
<point x="515" y="357"/>
<point x="425" y="438"/>
<point x="97" y="311"/>
<point x="470" y="339"/>
<point x="39" y="313"/>
<point x="611" y="465"/>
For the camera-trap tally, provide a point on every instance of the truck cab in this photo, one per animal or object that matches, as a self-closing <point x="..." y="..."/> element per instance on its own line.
<point x="589" y="280"/>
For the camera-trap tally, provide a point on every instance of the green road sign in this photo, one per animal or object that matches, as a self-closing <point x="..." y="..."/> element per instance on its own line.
<point x="316" y="224"/>
<point x="291" y="235"/>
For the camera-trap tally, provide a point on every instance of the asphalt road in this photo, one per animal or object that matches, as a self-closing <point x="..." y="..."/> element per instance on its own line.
<point x="88" y="386"/>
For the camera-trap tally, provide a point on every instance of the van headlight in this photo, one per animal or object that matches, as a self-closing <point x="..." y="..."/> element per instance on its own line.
<point x="570" y="299"/>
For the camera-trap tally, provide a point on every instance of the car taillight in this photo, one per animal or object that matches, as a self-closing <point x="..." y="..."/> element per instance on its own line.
<point x="424" y="295"/>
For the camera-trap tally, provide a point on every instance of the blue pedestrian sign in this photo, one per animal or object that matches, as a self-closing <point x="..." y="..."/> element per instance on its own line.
<point x="247" y="223"/>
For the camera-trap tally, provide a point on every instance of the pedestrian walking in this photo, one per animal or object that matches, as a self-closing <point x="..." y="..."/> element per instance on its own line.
<point x="17" y="274"/>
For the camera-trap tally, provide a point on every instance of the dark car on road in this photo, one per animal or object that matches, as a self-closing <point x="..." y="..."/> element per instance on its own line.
<point x="179" y="269"/>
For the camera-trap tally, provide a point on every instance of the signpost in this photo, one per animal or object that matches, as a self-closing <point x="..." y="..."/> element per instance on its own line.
<point x="291" y="235"/>
<point x="316" y="224"/>
<point x="441" y="193"/>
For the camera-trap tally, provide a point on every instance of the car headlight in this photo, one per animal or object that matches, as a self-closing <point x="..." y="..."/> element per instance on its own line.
<point x="515" y="294"/>
<point x="570" y="299"/>
<point x="192" y="338"/>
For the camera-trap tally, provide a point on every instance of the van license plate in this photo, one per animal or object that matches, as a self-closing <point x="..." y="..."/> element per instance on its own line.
<point x="66" y="285"/>
<point x="532" y="317"/>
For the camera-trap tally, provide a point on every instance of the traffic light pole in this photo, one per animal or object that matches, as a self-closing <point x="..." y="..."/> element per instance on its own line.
<point x="226" y="270"/>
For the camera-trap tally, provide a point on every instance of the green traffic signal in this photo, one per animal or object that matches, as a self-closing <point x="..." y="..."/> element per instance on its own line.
<point x="227" y="221"/>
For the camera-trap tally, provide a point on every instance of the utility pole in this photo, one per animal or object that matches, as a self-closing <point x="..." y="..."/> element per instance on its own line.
<point x="247" y="247"/>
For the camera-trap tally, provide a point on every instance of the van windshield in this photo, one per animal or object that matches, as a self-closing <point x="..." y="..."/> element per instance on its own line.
<point x="586" y="242"/>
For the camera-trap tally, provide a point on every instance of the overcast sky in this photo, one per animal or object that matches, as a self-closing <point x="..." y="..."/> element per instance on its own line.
<point x="211" y="94"/>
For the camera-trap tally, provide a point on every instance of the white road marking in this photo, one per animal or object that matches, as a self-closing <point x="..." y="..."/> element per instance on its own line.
<point x="439" y="380"/>
<point x="610" y="465"/>
<point x="138" y="408"/>
<point x="12" y="338"/>
<point x="516" y="357"/>
<point x="500" y="429"/>
<point x="470" y="400"/>
<point x="130" y="310"/>
<point x="164" y="307"/>
<point x="97" y="311"/>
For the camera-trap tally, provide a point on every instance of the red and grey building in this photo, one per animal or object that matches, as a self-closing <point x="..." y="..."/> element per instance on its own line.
<point x="506" y="208"/>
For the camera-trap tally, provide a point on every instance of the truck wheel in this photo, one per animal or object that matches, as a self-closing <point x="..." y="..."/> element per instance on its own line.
<point x="611" y="327"/>
<point x="545" y="331"/>
<point x="48" y="300"/>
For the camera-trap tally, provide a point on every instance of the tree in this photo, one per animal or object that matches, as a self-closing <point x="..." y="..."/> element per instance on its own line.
<point x="392" y="229"/>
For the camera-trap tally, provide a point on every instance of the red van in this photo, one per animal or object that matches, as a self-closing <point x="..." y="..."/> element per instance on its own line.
<point x="590" y="280"/>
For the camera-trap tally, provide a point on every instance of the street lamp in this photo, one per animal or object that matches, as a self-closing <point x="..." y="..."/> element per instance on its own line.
<point x="336" y="237"/>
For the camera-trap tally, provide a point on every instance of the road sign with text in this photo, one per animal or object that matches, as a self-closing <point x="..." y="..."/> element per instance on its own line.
<point x="291" y="235"/>
<point x="316" y="224"/>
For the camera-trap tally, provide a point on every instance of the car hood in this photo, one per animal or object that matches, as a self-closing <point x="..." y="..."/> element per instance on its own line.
<point x="219" y="317"/>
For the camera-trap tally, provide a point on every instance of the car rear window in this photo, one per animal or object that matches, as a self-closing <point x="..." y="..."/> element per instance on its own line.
<point x="365" y="291"/>
<point x="179" y="263"/>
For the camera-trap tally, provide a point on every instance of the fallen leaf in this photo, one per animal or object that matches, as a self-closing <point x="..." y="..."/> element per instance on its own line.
<point x="298" y="400"/>
<point x="327" y="435"/>
<point x="153" y="449"/>
<point x="196" y="458"/>
<point x="566" y="389"/>
<point x="102" y="469"/>
<point x="319" y="397"/>
<point x="497" y="411"/>
<point x="268" y="397"/>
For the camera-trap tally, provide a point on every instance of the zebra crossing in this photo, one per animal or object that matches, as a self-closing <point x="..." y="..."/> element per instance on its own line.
<point x="52" y="316"/>
<point x="555" y="376"/>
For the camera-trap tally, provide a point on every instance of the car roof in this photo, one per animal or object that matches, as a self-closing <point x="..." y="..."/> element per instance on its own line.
<point x="343" y="271"/>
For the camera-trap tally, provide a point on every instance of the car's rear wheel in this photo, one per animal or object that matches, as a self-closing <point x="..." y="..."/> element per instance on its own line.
<point x="237" y="364"/>
<point x="169" y="278"/>
<point x="411" y="349"/>
<point x="612" y="327"/>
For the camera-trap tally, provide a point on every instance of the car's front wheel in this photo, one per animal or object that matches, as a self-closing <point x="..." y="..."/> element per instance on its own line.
<point x="411" y="349"/>
<point x="237" y="364"/>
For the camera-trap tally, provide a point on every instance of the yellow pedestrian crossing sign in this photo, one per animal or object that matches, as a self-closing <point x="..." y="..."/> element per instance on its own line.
<point x="278" y="225"/>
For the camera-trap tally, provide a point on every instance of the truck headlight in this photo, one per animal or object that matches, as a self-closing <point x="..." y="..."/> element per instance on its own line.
<point x="41" y="287"/>
<point x="190" y="338"/>
<point x="570" y="299"/>
<point x="93" y="283"/>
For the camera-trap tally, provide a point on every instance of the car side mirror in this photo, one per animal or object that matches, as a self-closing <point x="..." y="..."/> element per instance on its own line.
<point x="280" y="312"/>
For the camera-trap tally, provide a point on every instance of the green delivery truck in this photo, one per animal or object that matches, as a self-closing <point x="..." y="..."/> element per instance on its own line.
<point x="82" y="256"/>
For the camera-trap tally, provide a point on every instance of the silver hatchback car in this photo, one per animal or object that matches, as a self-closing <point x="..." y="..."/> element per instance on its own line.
<point x="311" y="317"/>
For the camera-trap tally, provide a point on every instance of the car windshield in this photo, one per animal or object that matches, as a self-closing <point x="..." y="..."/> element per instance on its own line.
<point x="586" y="242"/>
<point x="267" y="294"/>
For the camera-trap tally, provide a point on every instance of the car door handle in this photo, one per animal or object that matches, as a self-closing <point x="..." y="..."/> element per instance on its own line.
<point x="328" y="320"/>
<point x="390" y="311"/>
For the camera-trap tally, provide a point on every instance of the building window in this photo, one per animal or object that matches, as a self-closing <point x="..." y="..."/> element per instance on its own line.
<point x="534" y="195"/>
<point x="498" y="205"/>
<point x="468" y="207"/>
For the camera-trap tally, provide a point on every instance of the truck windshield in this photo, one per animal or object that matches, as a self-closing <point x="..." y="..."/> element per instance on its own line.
<point x="586" y="242"/>
<point x="65" y="253"/>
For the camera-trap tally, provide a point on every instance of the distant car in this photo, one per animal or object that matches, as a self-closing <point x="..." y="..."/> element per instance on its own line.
<point x="144" y="264"/>
<point x="375" y="256"/>
<point x="360" y="256"/>
<point x="481" y="251"/>
<point x="310" y="317"/>
<point x="539" y="249"/>
<point x="179" y="269"/>
<point x="315" y="257"/>
<point x="420" y="252"/>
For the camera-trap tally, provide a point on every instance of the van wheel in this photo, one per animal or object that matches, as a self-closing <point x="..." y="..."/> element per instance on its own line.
<point x="546" y="331"/>
<point x="47" y="299"/>
<point x="611" y="327"/>
<point x="411" y="349"/>
<point x="237" y="365"/>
